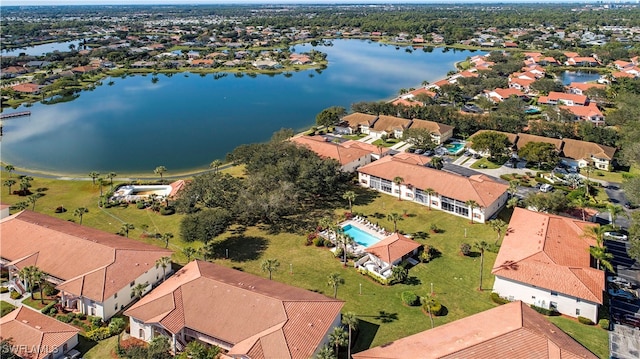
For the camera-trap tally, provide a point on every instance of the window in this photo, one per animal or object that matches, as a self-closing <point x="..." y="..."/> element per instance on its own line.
<point x="141" y="333"/>
<point x="577" y="311"/>
<point x="578" y="300"/>
<point x="132" y="283"/>
<point x="132" y="295"/>
<point x="554" y="294"/>
<point x="115" y="307"/>
<point x="115" y="296"/>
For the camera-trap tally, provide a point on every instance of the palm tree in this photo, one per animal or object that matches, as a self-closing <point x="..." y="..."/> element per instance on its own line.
<point x="481" y="246"/>
<point x="25" y="183"/>
<point x="581" y="202"/>
<point x="163" y="262"/>
<point x="472" y="204"/>
<point x="33" y="199"/>
<point x="597" y="233"/>
<point x="38" y="277"/>
<point x="25" y="276"/>
<point x="437" y="162"/>
<point x="334" y="280"/>
<point x="160" y="170"/>
<point x="9" y="183"/>
<point x="588" y="170"/>
<point x="349" y="319"/>
<point x="270" y="265"/>
<point x="215" y="165"/>
<point x="138" y="290"/>
<point x="125" y="228"/>
<point x="338" y="338"/>
<point x="399" y="274"/>
<point x="100" y="182"/>
<point x="430" y="192"/>
<point x="499" y="226"/>
<point x="513" y="187"/>
<point x="602" y="257"/>
<point x="9" y="168"/>
<point x="79" y="212"/>
<point x="166" y="237"/>
<point x="398" y="181"/>
<point x="513" y="202"/>
<point x="344" y="240"/>
<point x="189" y="252"/>
<point x="350" y="196"/>
<point x="325" y="353"/>
<point x="394" y="217"/>
<point x="614" y="211"/>
<point x="111" y="176"/>
<point x="94" y="175"/>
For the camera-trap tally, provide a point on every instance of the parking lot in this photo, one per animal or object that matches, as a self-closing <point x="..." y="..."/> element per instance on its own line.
<point x="624" y="339"/>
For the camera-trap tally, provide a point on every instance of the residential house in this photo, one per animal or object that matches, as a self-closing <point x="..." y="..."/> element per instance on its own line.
<point x="28" y="87"/>
<point x="521" y="84"/>
<point x="381" y="257"/>
<point x="524" y="138"/>
<point x="561" y="98"/>
<point x="37" y="336"/>
<point x="589" y="113"/>
<point x="350" y="157"/>
<point x="355" y="123"/>
<point x="585" y="153"/>
<point x="247" y="316"/>
<point x="390" y="126"/>
<point x="512" y="137"/>
<point x="266" y="64"/>
<point x="544" y="260"/>
<point x="451" y="191"/>
<point x="499" y="94"/>
<point x="4" y="210"/>
<point x="581" y="61"/>
<point x="509" y="331"/>
<point x="579" y="88"/>
<point x="94" y="270"/>
<point x="440" y="133"/>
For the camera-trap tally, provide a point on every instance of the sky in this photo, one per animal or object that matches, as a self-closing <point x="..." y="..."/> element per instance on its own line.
<point x="187" y="2"/>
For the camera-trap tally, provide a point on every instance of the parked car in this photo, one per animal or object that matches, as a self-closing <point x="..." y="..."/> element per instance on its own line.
<point x="631" y="320"/>
<point x="615" y="235"/>
<point x="546" y="187"/>
<point x="468" y="154"/>
<point x="619" y="281"/>
<point x="477" y="156"/>
<point x="428" y="153"/>
<point x="419" y="151"/>
<point x="621" y="294"/>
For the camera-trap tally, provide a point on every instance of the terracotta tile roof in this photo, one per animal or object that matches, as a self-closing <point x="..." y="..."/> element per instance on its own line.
<point x="512" y="137"/>
<point x="393" y="247"/>
<point x="621" y="74"/>
<point x="581" y="149"/>
<point x="355" y="119"/>
<point x="550" y="252"/>
<point x="583" y="111"/>
<point x="423" y="90"/>
<point x="509" y="331"/>
<point x="561" y="96"/>
<point x="521" y="82"/>
<point x="406" y="102"/>
<point x="412" y="158"/>
<point x="256" y="316"/>
<point x="318" y="144"/>
<point x="585" y="86"/>
<point x="524" y="138"/>
<point x="479" y="188"/>
<point x="508" y="92"/>
<point x="434" y="127"/>
<point x="31" y="329"/>
<point x="390" y="123"/>
<point x="26" y="87"/>
<point x="92" y="263"/>
<point x="365" y="146"/>
<point x="441" y="83"/>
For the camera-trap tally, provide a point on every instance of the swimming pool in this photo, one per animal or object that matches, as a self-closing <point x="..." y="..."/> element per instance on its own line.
<point x="454" y="148"/>
<point x="361" y="237"/>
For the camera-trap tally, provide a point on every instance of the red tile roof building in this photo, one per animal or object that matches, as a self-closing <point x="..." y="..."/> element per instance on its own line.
<point x="246" y="315"/>
<point x="350" y="157"/>
<point x="544" y="260"/>
<point x="93" y="269"/>
<point x="509" y="331"/>
<point x="452" y="191"/>
<point x="37" y="336"/>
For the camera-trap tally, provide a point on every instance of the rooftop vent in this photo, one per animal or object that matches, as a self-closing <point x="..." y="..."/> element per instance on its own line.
<point x="25" y="321"/>
<point x="38" y="327"/>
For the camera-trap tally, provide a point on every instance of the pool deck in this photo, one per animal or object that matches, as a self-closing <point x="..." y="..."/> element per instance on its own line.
<point x="364" y="225"/>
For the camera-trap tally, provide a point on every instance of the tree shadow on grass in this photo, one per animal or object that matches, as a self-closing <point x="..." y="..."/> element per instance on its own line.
<point x="365" y="196"/>
<point x="473" y="254"/>
<point x="413" y="280"/>
<point x="240" y="248"/>
<point x="385" y="317"/>
<point x="364" y="336"/>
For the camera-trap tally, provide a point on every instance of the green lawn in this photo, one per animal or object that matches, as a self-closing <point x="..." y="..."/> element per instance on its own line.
<point x="96" y="350"/>
<point x="593" y="337"/>
<point x="5" y="308"/>
<point x="384" y="143"/>
<point x="382" y="316"/>
<point x="485" y="163"/>
<point x="35" y="303"/>
<point x="615" y="176"/>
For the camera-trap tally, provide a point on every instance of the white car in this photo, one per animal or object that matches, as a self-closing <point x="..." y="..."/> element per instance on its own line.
<point x="615" y="235"/>
<point x="546" y="188"/>
<point x="619" y="281"/>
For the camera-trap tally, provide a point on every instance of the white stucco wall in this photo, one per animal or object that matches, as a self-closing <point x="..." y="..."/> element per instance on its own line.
<point x="325" y="341"/>
<point x="542" y="297"/>
<point x="354" y="165"/>
<point x="137" y="327"/>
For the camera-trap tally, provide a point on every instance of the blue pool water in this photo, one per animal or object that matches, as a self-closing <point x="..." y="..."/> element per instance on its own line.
<point x="361" y="237"/>
<point x="454" y="148"/>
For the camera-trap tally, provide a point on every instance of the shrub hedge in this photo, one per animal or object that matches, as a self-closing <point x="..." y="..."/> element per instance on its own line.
<point x="496" y="298"/>
<point x="604" y="324"/>
<point x="99" y="334"/>
<point x="547" y="312"/>
<point x="410" y="298"/>
<point x="585" y="320"/>
<point x="48" y="307"/>
<point x="436" y="307"/>
<point x="4" y="290"/>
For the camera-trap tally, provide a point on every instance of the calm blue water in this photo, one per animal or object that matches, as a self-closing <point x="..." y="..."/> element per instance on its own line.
<point x="361" y="237"/>
<point x="41" y="49"/>
<point x="454" y="148"/>
<point x="185" y="121"/>
<point x="568" y="77"/>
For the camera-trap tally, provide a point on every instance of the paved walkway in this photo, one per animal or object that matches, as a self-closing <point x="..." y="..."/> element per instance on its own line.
<point x="15" y="302"/>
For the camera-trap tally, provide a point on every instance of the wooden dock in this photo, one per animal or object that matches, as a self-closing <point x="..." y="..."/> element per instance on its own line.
<point x="15" y="114"/>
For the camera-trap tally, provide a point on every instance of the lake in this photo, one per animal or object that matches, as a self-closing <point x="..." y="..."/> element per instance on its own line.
<point x="185" y="121"/>
<point x="43" y="49"/>
<point x="567" y="77"/>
